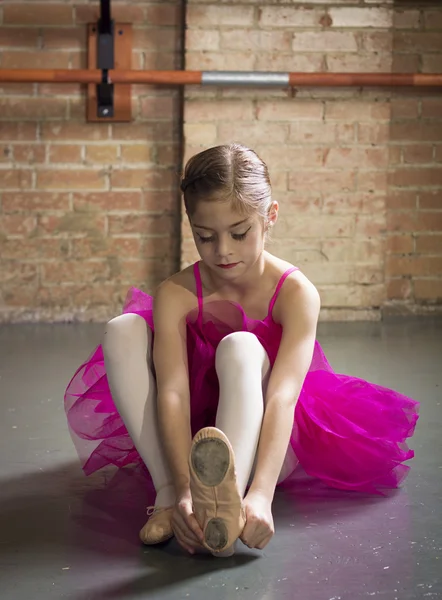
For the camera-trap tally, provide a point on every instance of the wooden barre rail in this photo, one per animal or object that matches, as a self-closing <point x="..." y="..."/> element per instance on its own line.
<point x="226" y="78"/>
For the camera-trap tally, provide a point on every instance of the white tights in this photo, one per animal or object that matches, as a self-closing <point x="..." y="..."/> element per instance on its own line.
<point x="243" y="368"/>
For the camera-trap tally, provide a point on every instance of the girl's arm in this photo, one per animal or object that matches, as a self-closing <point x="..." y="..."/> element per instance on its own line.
<point x="170" y="361"/>
<point x="298" y="312"/>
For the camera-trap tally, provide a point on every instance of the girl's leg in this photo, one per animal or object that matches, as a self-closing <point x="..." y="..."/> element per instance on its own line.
<point x="243" y="370"/>
<point x="127" y="353"/>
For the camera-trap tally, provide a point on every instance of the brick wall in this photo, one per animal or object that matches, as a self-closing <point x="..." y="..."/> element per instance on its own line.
<point x="88" y="209"/>
<point x="358" y="173"/>
<point x="85" y="209"/>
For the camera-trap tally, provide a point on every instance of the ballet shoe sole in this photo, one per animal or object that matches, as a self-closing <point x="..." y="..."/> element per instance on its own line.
<point x="211" y="461"/>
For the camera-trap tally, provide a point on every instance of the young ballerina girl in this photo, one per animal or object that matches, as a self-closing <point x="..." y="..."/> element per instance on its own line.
<point x="233" y="364"/>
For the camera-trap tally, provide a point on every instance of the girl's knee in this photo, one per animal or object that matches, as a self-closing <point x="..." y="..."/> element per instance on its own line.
<point x="124" y="327"/>
<point x="237" y="343"/>
<point x="240" y="347"/>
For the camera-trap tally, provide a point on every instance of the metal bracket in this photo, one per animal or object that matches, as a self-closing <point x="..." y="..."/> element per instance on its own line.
<point x="105" y="60"/>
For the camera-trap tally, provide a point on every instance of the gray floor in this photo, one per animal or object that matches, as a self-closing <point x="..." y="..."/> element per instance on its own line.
<point x="67" y="536"/>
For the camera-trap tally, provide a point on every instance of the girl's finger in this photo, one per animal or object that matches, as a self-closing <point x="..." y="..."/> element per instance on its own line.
<point x="263" y="542"/>
<point x="194" y="527"/>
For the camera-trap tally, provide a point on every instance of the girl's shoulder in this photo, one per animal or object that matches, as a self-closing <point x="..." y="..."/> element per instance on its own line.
<point x="178" y="291"/>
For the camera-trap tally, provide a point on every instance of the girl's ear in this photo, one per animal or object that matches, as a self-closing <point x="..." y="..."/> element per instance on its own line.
<point x="272" y="215"/>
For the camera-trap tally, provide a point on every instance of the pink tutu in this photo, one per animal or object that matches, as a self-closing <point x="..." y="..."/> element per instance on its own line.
<point x="347" y="432"/>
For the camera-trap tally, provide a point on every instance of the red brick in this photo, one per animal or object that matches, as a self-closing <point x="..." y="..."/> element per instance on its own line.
<point x="430" y="200"/>
<point x="425" y="131"/>
<point x="404" y="108"/>
<point x="18" y="132"/>
<point x="429" y="244"/>
<point x="417" y="42"/>
<point x="15" y="179"/>
<point x="66" y="132"/>
<point x="324" y="41"/>
<point x="159" y="108"/>
<point x="107" y="201"/>
<point x="400" y="199"/>
<point x="121" y="13"/>
<point x="17" y="224"/>
<point x="29" y="153"/>
<point x="428" y="289"/>
<point x="406" y="63"/>
<point x="144" y="224"/>
<point x="249" y="39"/>
<point x="414" y="221"/>
<point x="75" y="271"/>
<point x="25" y="59"/>
<point x="400" y="244"/>
<point x="19" y="273"/>
<point x="199" y="111"/>
<point x="292" y="111"/>
<point x="399" y="289"/>
<point x="322" y="181"/>
<point x="72" y="223"/>
<point x="154" y="179"/>
<point x="317" y="132"/>
<point x="164" y="14"/>
<point x="102" y="153"/>
<point x="377" y="42"/>
<point x="373" y="181"/>
<point x="65" y="153"/>
<point x="351" y="63"/>
<point x="438" y="153"/>
<point x="413" y="265"/>
<point x="163" y="131"/>
<point x="353" y="157"/>
<point x="11" y="37"/>
<point x="406" y="19"/>
<point x="168" y="155"/>
<point x="34" y="201"/>
<point x="373" y="133"/>
<point x="166" y="200"/>
<point x="33" y="249"/>
<point x="432" y="63"/>
<point x="416" y="177"/>
<point x="155" y="40"/>
<point x="288" y="16"/>
<point x="432" y="108"/>
<point x="37" y="13"/>
<point x="161" y="247"/>
<point x="100" y="247"/>
<point x="395" y="155"/>
<point x="217" y="15"/>
<point x="33" y="108"/>
<point x="53" y="179"/>
<point x="72" y="38"/>
<point x="368" y="226"/>
<point x="289" y="157"/>
<point x="418" y="154"/>
<point x="433" y="19"/>
<point x="277" y="61"/>
<point x="357" y="111"/>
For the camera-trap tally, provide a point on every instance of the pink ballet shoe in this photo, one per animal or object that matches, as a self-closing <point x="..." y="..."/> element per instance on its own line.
<point x="158" y="528"/>
<point x="217" y="502"/>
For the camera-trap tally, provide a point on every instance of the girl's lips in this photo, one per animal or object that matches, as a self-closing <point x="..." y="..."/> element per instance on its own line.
<point x="229" y="266"/>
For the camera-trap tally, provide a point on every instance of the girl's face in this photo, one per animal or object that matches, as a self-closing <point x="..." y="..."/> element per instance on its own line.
<point x="228" y="242"/>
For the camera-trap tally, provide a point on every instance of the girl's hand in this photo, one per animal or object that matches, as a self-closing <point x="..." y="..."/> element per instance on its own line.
<point x="185" y="526"/>
<point x="259" y="528"/>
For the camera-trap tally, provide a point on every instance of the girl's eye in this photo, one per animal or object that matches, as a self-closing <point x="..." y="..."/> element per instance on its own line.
<point x="206" y="240"/>
<point x="240" y="236"/>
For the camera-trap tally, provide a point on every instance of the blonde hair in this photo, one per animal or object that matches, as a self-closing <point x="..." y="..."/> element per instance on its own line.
<point x="230" y="173"/>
